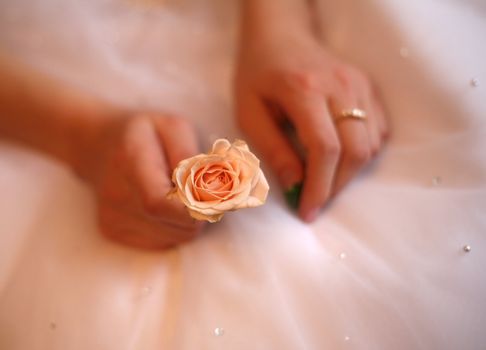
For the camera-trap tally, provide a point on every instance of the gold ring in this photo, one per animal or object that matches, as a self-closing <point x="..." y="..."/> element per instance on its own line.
<point x="354" y="113"/>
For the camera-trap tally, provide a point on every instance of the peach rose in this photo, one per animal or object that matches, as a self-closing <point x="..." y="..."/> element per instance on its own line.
<point x="228" y="178"/>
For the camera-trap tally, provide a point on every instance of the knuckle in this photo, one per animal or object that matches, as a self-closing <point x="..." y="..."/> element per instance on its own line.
<point x="273" y="151"/>
<point x="182" y="239"/>
<point x="139" y="123"/>
<point x="107" y="222"/>
<point x="126" y="150"/>
<point x="243" y="120"/>
<point x="332" y="147"/>
<point x="130" y="140"/>
<point x="280" y="156"/>
<point x="363" y="81"/>
<point x="137" y="119"/>
<point x="349" y="76"/>
<point x="358" y="74"/>
<point x="198" y="226"/>
<point x="300" y="80"/>
<point x="375" y="148"/>
<point x="342" y="76"/>
<point x="318" y="145"/>
<point x="359" y="155"/>
<point x="108" y="232"/>
<point x="385" y="135"/>
<point x="191" y="232"/>
<point x="385" y="132"/>
<point x="195" y="229"/>
<point x="177" y="123"/>
<point x="151" y="204"/>
<point x="328" y="146"/>
<point x="104" y="221"/>
<point x="367" y="83"/>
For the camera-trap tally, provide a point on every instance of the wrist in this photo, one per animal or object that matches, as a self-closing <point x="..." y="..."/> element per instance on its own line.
<point x="88" y="140"/>
<point x="274" y="20"/>
<point x="48" y="115"/>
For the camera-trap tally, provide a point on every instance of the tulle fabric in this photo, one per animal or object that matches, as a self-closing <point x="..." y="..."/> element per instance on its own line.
<point x="382" y="268"/>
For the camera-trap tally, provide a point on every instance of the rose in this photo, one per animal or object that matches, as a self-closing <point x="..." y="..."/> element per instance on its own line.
<point x="227" y="178"/>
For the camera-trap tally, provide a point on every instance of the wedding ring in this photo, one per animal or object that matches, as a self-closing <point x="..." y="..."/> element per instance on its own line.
<point x="354" y="113"/>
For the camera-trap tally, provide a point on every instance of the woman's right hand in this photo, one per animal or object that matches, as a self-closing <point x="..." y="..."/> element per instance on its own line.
<point x="130" y="165"/>
<point x="127" y="157"/>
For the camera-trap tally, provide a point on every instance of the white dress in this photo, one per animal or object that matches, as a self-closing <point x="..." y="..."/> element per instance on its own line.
<point x="383" y="268"/>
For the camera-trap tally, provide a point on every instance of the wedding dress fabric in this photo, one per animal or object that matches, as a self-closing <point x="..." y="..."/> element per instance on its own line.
<point x="384" y="267"/>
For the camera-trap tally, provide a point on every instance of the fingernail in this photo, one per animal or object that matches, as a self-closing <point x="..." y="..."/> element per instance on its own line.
<point x="311" y="215"/>
<point x="288" y="178"/>
<point x="292" y="195"/>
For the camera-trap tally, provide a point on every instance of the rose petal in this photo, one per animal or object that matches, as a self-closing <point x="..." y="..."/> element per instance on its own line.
<point x="207" y="196"/>
<point x="220" y="146"/>
<point x="260" y="190"/>
<point x="242" y="152"/>
<point x="258" y="194"/>
<point x="189" y="197"/>
<point x="233" y="203"/>
<point x="211" y="218"/>
<point x="206" y="211"/>
<point x="181" y="173"/>
<point x="240" y="144"/>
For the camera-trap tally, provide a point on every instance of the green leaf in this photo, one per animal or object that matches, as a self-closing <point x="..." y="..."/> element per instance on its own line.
<point x="292" y="195"/>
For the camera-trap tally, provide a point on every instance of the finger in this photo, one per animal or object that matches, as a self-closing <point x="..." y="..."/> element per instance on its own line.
<point x="150" y="174"/>
<point x="380" y="113"/>
<point x="178" y="138"/>
<point x="124" y="227"/>
<point x="365" y="101"/>
<point x="161" y="222"/>
<point x="270" y="140"/>
<point x="374" y="136"/>
<point x="354" y="139"/>
<point x="146" y="163"/>
<point x="317" y="133"/>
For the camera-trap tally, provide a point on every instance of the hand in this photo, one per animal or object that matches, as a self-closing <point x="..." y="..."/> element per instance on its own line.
<point x="128" y="160"/>
<point x="293" y="77"/>
<point x="131" y="173"/>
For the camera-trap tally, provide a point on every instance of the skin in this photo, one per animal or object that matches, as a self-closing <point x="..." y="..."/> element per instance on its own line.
<point x="126" y="157"/>
<point x="283" y="72"/>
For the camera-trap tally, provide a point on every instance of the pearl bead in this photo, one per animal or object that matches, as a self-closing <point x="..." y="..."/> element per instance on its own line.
<point x="347" y="338"/>
<point x="342" y="256"/>
<point x="467" y="248"/>
<point x="219" y="332"/>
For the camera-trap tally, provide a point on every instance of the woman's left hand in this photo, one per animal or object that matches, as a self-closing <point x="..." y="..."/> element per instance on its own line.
<point x="289" y="75"/>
